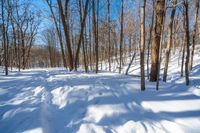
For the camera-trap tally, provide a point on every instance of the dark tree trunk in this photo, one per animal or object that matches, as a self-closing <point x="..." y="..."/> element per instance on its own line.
<point x="187" y="43"/>
<point x="157" y="31"/>
<point x="121" y="36"/>
<point x="67" y="35"/>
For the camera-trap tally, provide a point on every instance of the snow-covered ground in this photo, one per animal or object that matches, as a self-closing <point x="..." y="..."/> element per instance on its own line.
<point x="57" y="101"/>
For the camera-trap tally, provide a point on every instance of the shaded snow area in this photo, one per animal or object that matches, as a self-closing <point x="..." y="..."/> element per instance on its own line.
<point x="54" y="101"/>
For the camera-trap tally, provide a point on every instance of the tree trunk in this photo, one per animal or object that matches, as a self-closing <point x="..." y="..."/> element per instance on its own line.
<point x="142" y="44"/>
<point x="129" y="65"/>
<point x="83" y="20"/>
<point x="95" y="31"/>
<point x="187" y="43"/>
<point x="121" y="35"/>
<point x="4" y="32"/>
<point x="109" y="47"/>
<point x="169" y="43"/>
<point x="82" y="37"/>
<point x="150" y="39"/>
<point x="157" y="31"/>
<point x="183" y="50"/>
<point x="90" y="43"/>
<point x="58" y="33"/>
<point x="194" y="33"/>
<point x="67" y="36"/>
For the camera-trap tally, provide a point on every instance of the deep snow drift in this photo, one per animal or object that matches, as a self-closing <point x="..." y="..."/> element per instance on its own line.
<point x="57" y="101"/>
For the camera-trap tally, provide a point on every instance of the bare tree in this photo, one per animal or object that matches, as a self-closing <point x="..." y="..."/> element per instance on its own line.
<point x="142" y="44"/>
<point x="121" y="36"/>
<point x="66" y="31"/>
<point x="83" y="21"/>
<point x="169" y="43"/>
<point x="4" y="28"/>
<point x="95" y="31"/>
<point x="109" y="45"/>
<point x="49" y="3"/>
<point x="187" y="42"/>
<point x="194" y="33"/>
<point x="157" y="31"/>
<point x="150" y="38"/>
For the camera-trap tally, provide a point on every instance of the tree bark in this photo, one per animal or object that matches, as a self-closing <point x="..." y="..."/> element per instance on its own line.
<point x="157" y="31"/>
<point x="194" y="33"/>
<point x="58" y="33"/>
<point x="67" y="36"/>
<point x="109" y="47"/>
<point x="169" y="43"/>
<point x="150" y="39"/>
<point x="142" y="44"/>
<point x="4" y="32"/>
<point x="83" y="20"/>
<point x="187" y="43"/>
<point x="82" y="37"/>
<point x="95" y="31"/>
<point x="121" y="35"/>
<point x="183" y="50"/>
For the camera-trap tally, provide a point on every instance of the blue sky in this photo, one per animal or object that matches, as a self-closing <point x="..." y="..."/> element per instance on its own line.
<point x="115" y="10"/>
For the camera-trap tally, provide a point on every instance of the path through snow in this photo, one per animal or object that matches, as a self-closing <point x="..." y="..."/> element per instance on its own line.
<point x="55" y="101"/>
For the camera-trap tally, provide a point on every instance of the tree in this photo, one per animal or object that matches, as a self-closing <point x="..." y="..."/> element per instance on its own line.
<point x="66" y="31"/>
<point x="95" y="31"/>
<point x="150" y="38"/>
<point x="82" y="21"/>
<point x="49" y="3"/>
<point x="4" y="28"/>
<point x="187" y="42"/>
<point x="169" y="43"/>
<point x="121" y="35"/>
<point x="157" y="31"/>
<point x="109" y="45"/>
<point x="194" y="33"/>
<point x="142" y="44"/>
<point x="50" y="39"/>
<point x="183" y="48"/>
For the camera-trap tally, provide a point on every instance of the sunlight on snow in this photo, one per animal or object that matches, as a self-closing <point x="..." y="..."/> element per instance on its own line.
<point x="96" y="113"/>
<point x="11" y="113"/>
<point x="35" y="130"/>
<point x="172" y="105"/>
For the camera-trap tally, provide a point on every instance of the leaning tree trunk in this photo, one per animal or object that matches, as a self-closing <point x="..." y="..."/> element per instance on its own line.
<point x="67" y="35"/>
<point x="157" y="31"/>
<point x="169" y="43"/>
<point x="83" y="21"/>
<point x="81" y="34"/>
<point x="58" y="33"/>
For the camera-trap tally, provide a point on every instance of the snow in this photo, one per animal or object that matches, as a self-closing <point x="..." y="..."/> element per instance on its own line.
<point x="36" y="130"/>
<point x="58" y="101"/>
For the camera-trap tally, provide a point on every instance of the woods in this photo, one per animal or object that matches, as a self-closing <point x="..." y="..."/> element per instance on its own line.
<point x="19" y="26"/>
<point x="99" y="35"/>
<point x="99" y="66"/>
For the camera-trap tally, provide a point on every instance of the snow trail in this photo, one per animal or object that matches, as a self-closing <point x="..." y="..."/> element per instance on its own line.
<point x="56" y="101"/>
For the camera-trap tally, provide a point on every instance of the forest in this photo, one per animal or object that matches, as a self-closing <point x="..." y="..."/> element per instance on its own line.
<point x="88" y="56"/>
